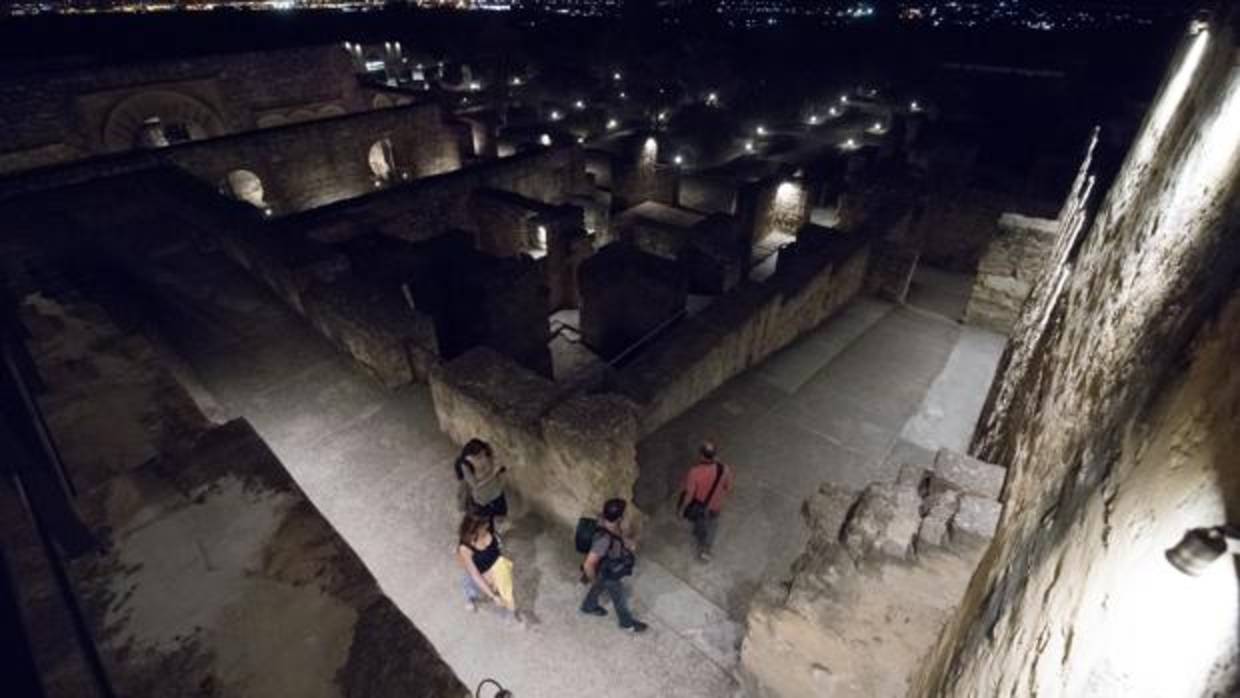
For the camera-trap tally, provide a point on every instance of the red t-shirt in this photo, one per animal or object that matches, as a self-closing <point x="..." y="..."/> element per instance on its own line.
<point x="699" y="480"/>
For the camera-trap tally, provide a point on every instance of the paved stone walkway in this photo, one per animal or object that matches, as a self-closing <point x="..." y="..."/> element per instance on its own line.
<point x="374" y="463"/>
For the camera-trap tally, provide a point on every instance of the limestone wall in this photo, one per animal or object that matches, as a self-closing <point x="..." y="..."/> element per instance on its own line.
<point x="1013" y="261"/>
<point x="1116" y="416"/>
<point x="565" y="456"/>
<point x="815" y="277"/>
<point x="55" y="115"/>
<point x="300" y="166"/>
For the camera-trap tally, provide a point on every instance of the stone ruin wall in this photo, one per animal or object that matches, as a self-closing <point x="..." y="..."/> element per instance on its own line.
<point x="1013" y="261"/>
<point x="56" y="116"/>
<point x="880" y="575"/>
<point x="1115" y="416"/>
<point x="151" y="468"/>
<point x="301" y="166"/>
<point x="816" y="277"/>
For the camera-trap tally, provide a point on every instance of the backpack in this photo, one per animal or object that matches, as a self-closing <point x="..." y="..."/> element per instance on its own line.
<point x="583" y="538"/>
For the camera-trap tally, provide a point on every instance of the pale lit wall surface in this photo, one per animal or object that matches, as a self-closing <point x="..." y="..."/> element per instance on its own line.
<point x="1118" y="416"/>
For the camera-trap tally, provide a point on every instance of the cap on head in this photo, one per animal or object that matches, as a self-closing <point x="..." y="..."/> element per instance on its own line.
<point x="707" y="450"/>
<point x="613" y="510"/>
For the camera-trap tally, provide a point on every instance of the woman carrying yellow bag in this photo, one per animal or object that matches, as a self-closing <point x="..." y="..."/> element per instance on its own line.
<point x="487" y="571"/>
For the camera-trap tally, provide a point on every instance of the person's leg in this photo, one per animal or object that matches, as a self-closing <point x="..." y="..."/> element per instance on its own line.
<point x="710" y="526"/>
<point x="699" y="534"/>
<point x="590" y="604"/>
<point x="619" y="601"/>
<point x="472" y="592"/>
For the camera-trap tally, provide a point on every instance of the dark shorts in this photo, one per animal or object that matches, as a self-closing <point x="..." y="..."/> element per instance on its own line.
<point x="497" y="507"/>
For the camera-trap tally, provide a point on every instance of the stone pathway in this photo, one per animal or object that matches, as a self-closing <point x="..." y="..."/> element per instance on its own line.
<point x="832" y="406"/>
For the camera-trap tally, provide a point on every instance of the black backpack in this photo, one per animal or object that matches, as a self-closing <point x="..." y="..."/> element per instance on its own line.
<point x="584" y="536"/>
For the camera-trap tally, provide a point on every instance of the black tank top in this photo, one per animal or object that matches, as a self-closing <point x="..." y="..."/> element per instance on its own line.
<point x="485" y="558"/>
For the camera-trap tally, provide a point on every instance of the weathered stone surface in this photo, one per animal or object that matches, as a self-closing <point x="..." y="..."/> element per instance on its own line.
<point x="969" y="474"/>
<point x="625" y="295"/>
<point x="885" y="520"/>
<point x="940" y="507"/>
<point x="1007" y="271"/>
<point x="976" y="516"/>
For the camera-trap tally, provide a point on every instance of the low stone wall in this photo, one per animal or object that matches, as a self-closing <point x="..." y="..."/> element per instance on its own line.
<point x="1013" y="262"/>
<point x="891" y="271"/>
<point x="815" y="277"/>
<point x="877" y="581"/>
<point x="565" y="456"/>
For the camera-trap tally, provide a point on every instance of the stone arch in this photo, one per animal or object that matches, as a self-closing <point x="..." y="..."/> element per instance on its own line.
<point x="381" y="101"/>
<point x="244" y="185"/>
<point x="382" y="159"/>
<point x="179" y="117"/>
<point x="331" y="110"/>
<point x="270" y="120"/>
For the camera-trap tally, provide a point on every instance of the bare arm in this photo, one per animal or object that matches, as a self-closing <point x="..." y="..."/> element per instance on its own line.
<point x="465" y="557"/>
<point x="591" y="567"/>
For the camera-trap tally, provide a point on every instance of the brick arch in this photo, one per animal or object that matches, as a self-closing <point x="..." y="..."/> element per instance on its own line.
<point x="124" y="124"/>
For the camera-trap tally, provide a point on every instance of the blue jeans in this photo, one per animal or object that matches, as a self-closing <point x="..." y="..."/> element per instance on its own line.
<point x="472" y="592"/>
<point x="704" y="530"/>
<point x="619" y="599"/>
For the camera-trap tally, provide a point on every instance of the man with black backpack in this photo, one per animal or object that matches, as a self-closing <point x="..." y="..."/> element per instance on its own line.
<point x="609" y="560"/>
<point x="706" y="486"/>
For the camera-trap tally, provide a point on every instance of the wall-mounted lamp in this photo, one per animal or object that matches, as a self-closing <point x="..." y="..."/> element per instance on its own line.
<point x="500" y="691"/>
<point x="1201" y="547"/>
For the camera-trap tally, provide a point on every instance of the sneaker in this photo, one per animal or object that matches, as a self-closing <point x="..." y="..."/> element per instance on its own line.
<point x="471" y="606"/>
<point x="636" y="626"/>
<point x="704" y="556"/>
<point x="596" y="611"/>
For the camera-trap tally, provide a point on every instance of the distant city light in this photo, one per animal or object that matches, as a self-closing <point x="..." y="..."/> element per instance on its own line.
<point x="662" y="116"/>
<point x="813" y="119"/>
<point x="833" y="111"/>
<point x="579" y="104"/>
<point x="612" y="123"/>
<point x="749" y="146"/>
<point x="556" y="115"/>
<point x="544" y="139"/>
<point x="616" y="75"/>
<point x="760" y="130"/>
<point x="679" y="159"/>
<point x="914" y="106"/>
<point x="516" y="81"/>
<point x="624" y="95"/>
<point x="843" y="99"/>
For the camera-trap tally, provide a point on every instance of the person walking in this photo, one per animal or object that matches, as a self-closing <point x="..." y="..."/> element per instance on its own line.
<point x="609" y="561"/>
<point x="483" y="482"/>
<point x="486" y="571"/>
<point x="707" y="485"/>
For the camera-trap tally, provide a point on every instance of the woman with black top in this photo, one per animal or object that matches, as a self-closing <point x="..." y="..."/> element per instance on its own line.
<point x="483" y="480"/>
<point x="477" y="551"/>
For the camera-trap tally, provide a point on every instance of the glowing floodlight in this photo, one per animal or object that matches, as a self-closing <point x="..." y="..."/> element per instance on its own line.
<point x="378" y="183"/>
<point x="616" y="75"/>
<point x="544" y="139"/>
<point x="813" y="119"/>
<point x="712" y="99"/>
<point x="749" y="146"/>
<point x="914" y="106"/>
<point x="581" y="139"/>
<point x="850" y="144"/>
<point x="612" y="124"/>
<point x="679" y="159"/>
<point x="556" y="115"/>
<point x="878" y="127"/>
<point x="475" y="86"/>
<point x="1202" y="547"/>
<point x="624" y="95"/>
<point x="579" y="104"/>
<point x="267" y="212"/>
<point x="516" y="82"/>
<point x="843" y="99"/>
<point x="662" y="116"/>
<point x="542" y="236"/>
<point x="760" y="130"/>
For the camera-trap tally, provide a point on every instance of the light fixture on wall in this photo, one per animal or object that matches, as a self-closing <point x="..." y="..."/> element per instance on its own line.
<point x="1201" y="547"/>
<point x="500" y="691"/>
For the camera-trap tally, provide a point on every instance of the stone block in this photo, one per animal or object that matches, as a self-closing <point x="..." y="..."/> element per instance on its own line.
<point x="826" y="511"/>
<point x="976" y="516"/>
<point x="969" y="474"/>
<point x="885" y="520"/>
<point x="940" y="507"/>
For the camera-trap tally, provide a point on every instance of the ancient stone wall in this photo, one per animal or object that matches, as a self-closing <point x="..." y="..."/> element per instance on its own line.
<point x="1014" y="259"/>
<point x="1116" y="414"/>
<point x="891" y="270"/>
<point x="299" y="167"/>
<point x="707" y="194"/>
<point x="64" y="114"/>
<point x="880" y="575"/>
<point x="957" y="222"/>
<point x="565" y="456"/>
<point x="625" y="295"/>
<point x="815" y="277"/>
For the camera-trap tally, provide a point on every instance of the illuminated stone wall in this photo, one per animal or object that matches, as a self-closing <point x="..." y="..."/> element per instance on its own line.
<point x="60" y="115"/>
<point x="1013" y="261"/>
<point x="301" y="166"/>
<point x="1116" y="415"/>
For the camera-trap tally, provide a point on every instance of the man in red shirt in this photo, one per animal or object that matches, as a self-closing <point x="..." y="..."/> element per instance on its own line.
<point x="707" y="485"/>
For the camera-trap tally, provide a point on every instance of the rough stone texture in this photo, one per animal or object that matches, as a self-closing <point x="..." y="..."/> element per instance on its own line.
<point x="959" y="220"/>
<point x="707" y="193"/>
<point x="1006" y="272"/>
<point x="891" y="270"/>
<point x="976" y="516"/>
<point x="772" y="205"/>
<point x="219" y="577"/>
<point x="564" y="456"/>
<point x="867" y="597"/>
<point x="301" y="166"/>
<point x="57" y="114"/>
<point x="816" y="276"/>
<point x="655" y="228"/>
<point x="625" y="295"/>
<point x="969" y="474"/>
<point x="1116" y="418"/>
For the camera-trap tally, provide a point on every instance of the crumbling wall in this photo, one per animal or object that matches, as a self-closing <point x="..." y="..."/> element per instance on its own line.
<point x="880" y="575"/>
<point x="301" y="166"/>
<point x="565" y="457"/>
<point x="1116" y="415"/>
<point x="1007" y="271"/>
<point x="59" y="115"/>
<point x="815" y="277"/>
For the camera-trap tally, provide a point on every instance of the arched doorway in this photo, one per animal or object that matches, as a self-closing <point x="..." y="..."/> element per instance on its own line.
<point x="158" y="118"/>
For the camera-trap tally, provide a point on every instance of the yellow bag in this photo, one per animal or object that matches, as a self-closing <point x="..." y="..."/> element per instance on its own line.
<point x="501" y="577"/>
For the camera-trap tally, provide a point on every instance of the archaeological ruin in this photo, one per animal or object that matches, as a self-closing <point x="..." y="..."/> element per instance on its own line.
<point x="256" y="301"/>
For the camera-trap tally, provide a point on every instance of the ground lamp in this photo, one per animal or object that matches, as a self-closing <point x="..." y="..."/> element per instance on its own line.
<point x="500" y="691"/>
<point x="1201" y="547"/>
